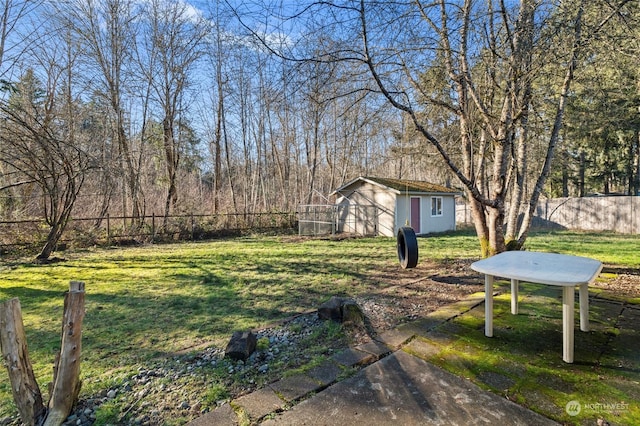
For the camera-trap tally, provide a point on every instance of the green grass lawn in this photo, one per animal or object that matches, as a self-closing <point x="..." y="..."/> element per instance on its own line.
<point x="146" y="303"/>
<point x="150" y="302"/>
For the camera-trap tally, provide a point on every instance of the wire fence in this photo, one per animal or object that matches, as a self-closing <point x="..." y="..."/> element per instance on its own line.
<point x="331" y="219"/>
<point x="317" y="219"/>
<point x="30" y="234"/>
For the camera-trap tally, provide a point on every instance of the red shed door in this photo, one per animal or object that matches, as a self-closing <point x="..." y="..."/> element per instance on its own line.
<point x="415" y="214"/>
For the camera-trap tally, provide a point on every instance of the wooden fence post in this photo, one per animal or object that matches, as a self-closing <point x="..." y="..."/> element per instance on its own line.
<point x="108" y="229"/>
<point x="13" y="344"/>
<point x="66" y="371"/>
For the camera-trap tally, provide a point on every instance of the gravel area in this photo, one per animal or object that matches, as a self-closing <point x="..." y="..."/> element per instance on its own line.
<point x="624" y="284"/>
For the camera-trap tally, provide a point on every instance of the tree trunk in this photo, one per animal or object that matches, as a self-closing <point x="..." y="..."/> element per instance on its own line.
<point x="565" y="175"/>
<point x="630" y="168"/>
<point x="131" y="175"/>
<point x="50" y="245"/>
<point x="15" y="355"/>
<point x="58" y="225"/>
<point x="479" y="222"/>
<point x="581" y="174"/>
<point x="59" y="217"/>
<point x="66" y="371"/>
<point x="227" y="152"/>
<point x="636" y="180"/>
<point x="172" y="159"/>
<point x="496" y="230"/>
<point x="312" y="155"/>
<point x="217" y="150"/>
<point x="555" y="132"/>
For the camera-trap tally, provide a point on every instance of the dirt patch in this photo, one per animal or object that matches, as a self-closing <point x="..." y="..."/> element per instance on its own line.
<point x="414" y="294"/>
<point x="622" y="285"/>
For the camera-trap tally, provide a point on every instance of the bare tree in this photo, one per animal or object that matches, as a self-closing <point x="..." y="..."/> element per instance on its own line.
<point x="175" y="35"/>
<point x="498" y="61"/>
<point x="15" y="37"/>
<point x="14" y="33"/>
<point x="489" y="117"/>
<point x="105" y="32"/>
<point x="219" y="133"/>
<point x="39" y="150"/>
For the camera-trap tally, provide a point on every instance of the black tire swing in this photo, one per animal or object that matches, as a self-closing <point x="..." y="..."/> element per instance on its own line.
<point x="407" y="247"/>
<point x="407" y="243"/>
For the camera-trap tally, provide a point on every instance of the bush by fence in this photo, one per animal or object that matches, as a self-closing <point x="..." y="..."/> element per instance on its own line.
<point x="29" y="235"/>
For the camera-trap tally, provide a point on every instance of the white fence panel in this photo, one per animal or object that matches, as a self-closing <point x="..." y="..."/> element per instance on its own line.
<point x="619" y="213"/>
<point x="616" y="213"/>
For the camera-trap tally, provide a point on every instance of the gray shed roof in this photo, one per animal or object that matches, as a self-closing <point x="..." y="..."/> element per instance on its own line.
<point x="399" y="186"/>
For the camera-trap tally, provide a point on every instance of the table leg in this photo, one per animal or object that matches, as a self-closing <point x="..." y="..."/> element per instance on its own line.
<point x="584" y="307"/>
<point x="514" y="296"/>
<point x="488" y="305"/>
<point x="568" y="305"/>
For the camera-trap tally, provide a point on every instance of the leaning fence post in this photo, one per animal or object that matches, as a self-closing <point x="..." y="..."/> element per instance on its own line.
<point x="108" y="229"/>
<point x="13" y="344"/>
<point x="153" y="227"/>
<point x="66" y="371"/>
<point x="193" y="225"/>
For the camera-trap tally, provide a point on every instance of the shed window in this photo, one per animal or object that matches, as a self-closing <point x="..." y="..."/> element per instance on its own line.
<point x="436" y="206"/>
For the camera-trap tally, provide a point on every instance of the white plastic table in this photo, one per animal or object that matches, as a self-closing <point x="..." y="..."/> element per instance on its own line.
<point x="543" y="268"/>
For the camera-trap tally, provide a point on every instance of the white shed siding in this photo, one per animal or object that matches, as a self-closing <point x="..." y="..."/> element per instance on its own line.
<point x="384" y="201"/>
<point x="386" y="219"/>
<point x="379" y="204"/>
<point x="403" y="215"/>
<point x="443" y="223"/>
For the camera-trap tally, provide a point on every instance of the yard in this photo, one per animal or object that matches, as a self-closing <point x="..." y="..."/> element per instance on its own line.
<point x="158" y="317"/>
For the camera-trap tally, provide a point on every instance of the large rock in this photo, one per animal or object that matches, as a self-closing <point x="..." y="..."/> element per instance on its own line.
<point x="341" y="309"/>
<point x="241" y="345"/>
<point x="331" y="309"/>
<point x="351" y="312"/>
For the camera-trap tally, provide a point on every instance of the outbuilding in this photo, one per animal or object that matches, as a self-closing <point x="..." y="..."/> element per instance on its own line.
<point x="380" y="206"/>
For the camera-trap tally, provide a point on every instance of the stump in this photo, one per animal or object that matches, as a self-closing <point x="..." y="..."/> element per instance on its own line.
<point x="331" y="309"/>
<point x="66" y="371"/>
